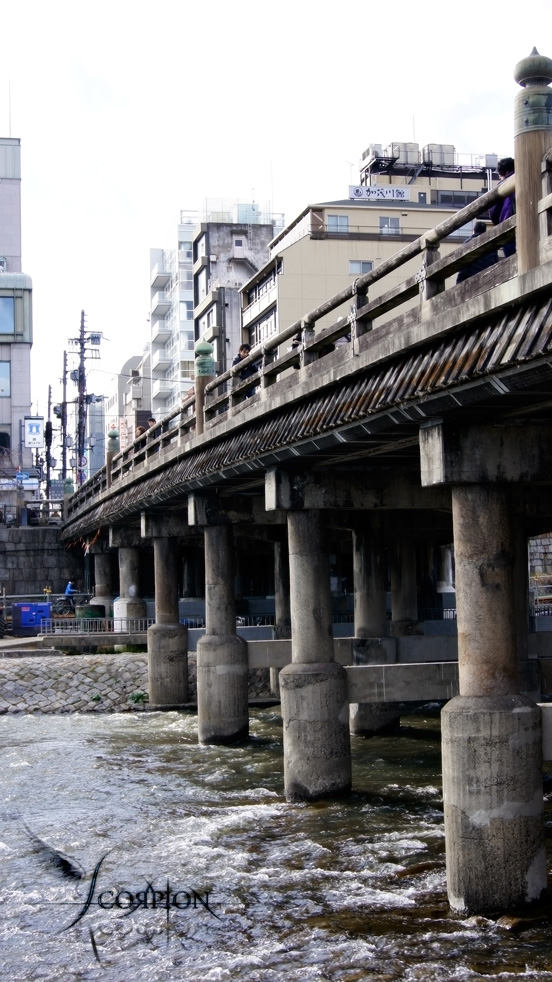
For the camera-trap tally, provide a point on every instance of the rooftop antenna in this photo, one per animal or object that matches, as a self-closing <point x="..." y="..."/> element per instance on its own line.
<point x="9" y="107"/>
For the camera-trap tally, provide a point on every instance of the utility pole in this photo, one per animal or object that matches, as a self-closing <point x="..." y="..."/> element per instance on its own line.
<point x="48" y="441"/>
<point x="64" y="421"/>
<point x="81" y="402"/>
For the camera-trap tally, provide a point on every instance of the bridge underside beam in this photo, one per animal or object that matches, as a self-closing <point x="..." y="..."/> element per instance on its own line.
<point x="385" y="488"/>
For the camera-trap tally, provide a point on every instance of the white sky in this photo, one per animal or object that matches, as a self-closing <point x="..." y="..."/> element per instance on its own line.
<point x="129" y="112"/>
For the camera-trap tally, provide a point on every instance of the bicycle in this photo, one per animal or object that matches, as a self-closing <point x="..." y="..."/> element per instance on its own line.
<point x="63" y="605"/>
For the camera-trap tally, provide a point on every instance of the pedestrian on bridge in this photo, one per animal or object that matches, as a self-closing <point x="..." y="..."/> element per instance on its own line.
<point x="482" y="262"/>
<point x="504" y="207"/>
<point x="244" y="351"/>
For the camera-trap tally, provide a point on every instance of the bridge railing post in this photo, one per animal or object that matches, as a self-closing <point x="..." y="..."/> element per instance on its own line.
<point x="532" y="140"/>
<point x="307" y="335"/>
<point x="359" y="327"/>
<point x="430" y="254"/>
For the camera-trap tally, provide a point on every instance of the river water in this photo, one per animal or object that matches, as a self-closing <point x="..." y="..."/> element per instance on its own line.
<point x="196" y="868"/>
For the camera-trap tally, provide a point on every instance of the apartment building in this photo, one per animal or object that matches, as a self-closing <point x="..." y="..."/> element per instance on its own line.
<point x="402" y="191"/>
<point x="128" y="398"/>
<point x="229" y="246"/>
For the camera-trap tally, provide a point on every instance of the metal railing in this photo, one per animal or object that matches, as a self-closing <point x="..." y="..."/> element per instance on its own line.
<point x="95" y="625"/>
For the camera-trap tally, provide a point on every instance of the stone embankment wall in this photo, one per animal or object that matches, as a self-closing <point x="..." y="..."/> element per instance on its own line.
<point x="540" y="555"/>
<point x="56" y="683"/>
<point x="32" y="557"/>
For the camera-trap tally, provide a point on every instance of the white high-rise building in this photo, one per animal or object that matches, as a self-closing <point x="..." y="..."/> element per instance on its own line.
<point x="172" y="318"/>
<point x="15" y="316"/>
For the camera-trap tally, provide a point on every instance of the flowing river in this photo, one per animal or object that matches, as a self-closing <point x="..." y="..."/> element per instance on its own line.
<point x="193" y="866"/>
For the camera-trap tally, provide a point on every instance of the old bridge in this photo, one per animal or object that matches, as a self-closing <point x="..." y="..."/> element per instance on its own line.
<point x="428" y="423"/>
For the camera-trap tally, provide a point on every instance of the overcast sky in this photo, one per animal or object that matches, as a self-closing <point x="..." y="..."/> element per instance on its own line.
<point x="129" y="112"/>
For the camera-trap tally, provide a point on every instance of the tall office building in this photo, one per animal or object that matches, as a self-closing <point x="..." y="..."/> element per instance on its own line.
<point x="15" y="317"/>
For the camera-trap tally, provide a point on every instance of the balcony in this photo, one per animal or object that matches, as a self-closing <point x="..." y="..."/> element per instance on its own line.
<point x="159" y="277"/>
<point x="160" y="360"/>
<point x="267" y="299"/>
<point x="160" y="304"/>
<point x="161" y="388"/>
<point x="160" y="332"/>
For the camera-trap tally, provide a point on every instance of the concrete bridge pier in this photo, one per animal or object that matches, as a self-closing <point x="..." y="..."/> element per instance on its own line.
<point x="282" y="609"/>
<point x="313" y="688"/>
<point x="370" y="575"/>
<point x="492" y="778"/>
<point x="404" y="586"/>
<point x="492" y="749"/>
<point x="128" y="604"/>
<point x="222" y="669"/>
<point x="103" y="590"/>
<point x="167" y="638"/>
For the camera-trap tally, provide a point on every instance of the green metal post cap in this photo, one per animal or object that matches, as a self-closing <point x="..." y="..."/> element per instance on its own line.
<point x="113" y="440"/>
<point x="204" y="362"/>
<point x="534" y="70"/>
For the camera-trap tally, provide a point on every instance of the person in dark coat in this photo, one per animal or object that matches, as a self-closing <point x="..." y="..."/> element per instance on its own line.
<point x="504" y="207"/>
<point x="244" y="351"/>
<point x="482" y="262"/>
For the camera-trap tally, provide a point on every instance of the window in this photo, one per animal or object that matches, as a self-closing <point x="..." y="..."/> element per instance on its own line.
<point x="338" y="223"/>
<point x="5" y="388"/>
<point x="186" y="310"/>
<point x="390" y="226"/>
<point x="264" y="328"/>
<point x="456" y="199"/>
<point x="359" y="266"/>
<point x="7" y="315"/>
<point x="185" y="251"/>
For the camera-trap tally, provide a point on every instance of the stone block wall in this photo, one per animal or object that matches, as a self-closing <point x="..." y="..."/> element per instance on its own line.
<point x="32" y="557"/>
<point x="540" y="555"/>
<point x="102" y="683"/>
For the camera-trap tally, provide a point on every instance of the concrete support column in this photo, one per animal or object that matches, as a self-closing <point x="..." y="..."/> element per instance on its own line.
<point x="282" y="608"/>
<point x="492" y="780"/>
<point x="222" y="691"/>
<point x="404" y="602"/>
<point x="445" y="570"/>
<point x="193" y="576"/>
<point x="128" y="604"/>
<point x="103" y="591"/>
<point x="314" y="688"/>
<point x="370" y="576"/>
<point x="167" y="638"/>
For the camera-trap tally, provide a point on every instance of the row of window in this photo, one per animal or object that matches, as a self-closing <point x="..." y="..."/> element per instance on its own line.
<point x="391" y="225"/>
<point x="339" y="224"/>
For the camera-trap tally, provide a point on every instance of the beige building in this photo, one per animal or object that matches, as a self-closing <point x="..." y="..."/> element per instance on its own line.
<point x="402" y="192"/>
